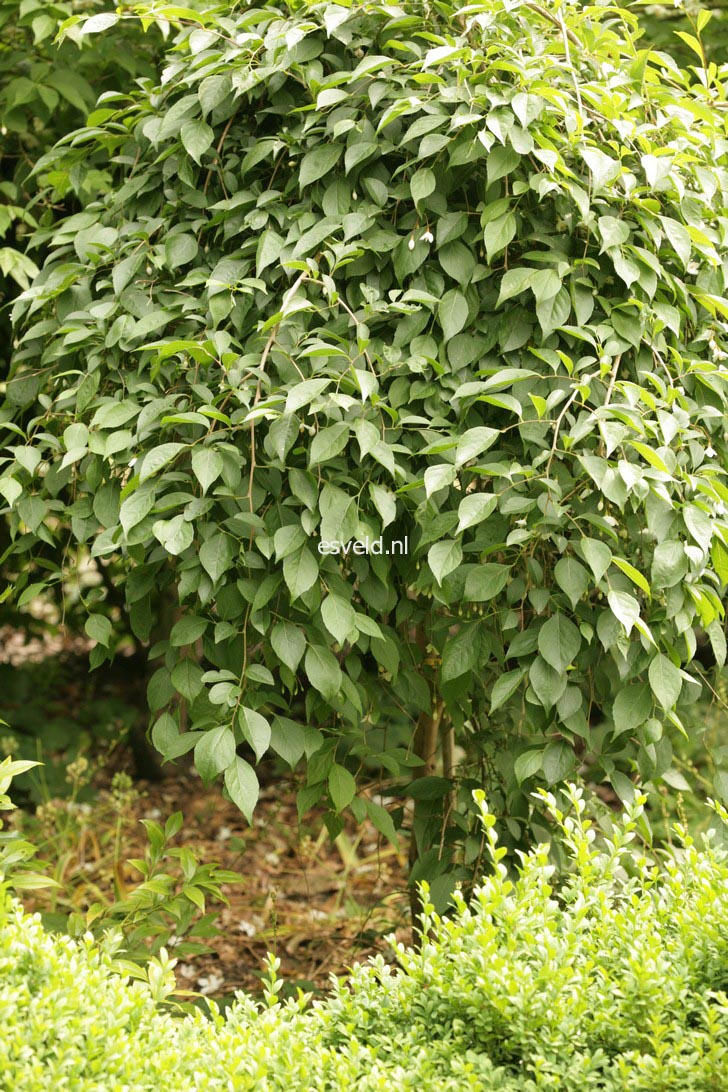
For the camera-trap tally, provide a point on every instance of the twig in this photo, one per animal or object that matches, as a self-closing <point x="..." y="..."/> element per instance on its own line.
<point x="559" y="421"/>
<point x="569" y="34"/>
<point x="261" y="369"/>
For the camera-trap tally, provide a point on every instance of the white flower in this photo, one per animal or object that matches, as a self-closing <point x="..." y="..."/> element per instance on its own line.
<point x="411" y="244"/>
<point x="132" y="462"/>
<point x="428" y="237"/>
<point x="210" y="983"/>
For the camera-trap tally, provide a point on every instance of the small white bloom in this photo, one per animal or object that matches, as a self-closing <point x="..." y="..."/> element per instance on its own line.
<point x="709" y="452"/>
<point x="411" y="244"/>
<point x="210" y="983"/>
<point x="428" y="237"/>
<point x="132" y="462"/>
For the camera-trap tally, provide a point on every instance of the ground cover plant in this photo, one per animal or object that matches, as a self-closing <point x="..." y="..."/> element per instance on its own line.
<point x="610" y="977"/>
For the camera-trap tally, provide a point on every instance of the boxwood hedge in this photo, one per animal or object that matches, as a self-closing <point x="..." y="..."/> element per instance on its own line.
<point x="599" y="981"/>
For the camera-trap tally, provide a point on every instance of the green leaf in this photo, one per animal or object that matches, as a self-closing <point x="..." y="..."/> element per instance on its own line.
<point x="501" y="161"/>
<point x="474" y="442"/>
<point x="342" y="787"/>
<point x="679" y="238"/>
<point x="545" y="283"/>
<point x="625" y="608"/>
<point x="443" y="558"/>
<point x="559" y="641"/>
<point x="384" y="502"/>
<point x="505" y="687"/>
<point x="717" y="637"/>
<point x="216" y="555"/>
<point x="187" y="678"/>
<point x="300" y="572"/>
<point x="97" y="23"/>
<point x="305" y="392"/>
<point x="623" y="787"/>
<point x="558" y="762"/>
<point x="318" y="162"/>
<point x="196" y="136"/>
<point x="158" y="457"/>
<point x="214" y="752"/>
<point x="99" y="628"/>
<point x="174" y="534"/>
<point x="665" y="680"/>
<point x="288" y="643"/>
<point x="634" y="575"/>
<point x="382" y="821"/>
<point x="572" y="578"/>
<point x="255" y="729"/>
<point x="288" y="540"/>
<point x="287" y="740"/>
<point x="328" y="443"/>
<point x="460" y="653"/>
<point x="669" y="564"/>
<point x="452" y="313"/>
<point x="498" y="234"/>
<point x="136" y="506"/>
<point x="485" y="582"/>
<point x="597" y="555"/>
<point x="422" y="184"/>
<point x="438" y="477"/>
<point x="270" y="245"/>
<point x="527" y="765"/>
<point x="458" y="262"/>
<point x="187" y="630"/>
<point x="474" y="508"/>
<point x="514" y="282"/>
<point x="207" y="466"/>
<point x="180" y="250"/>
<point x="242" y="786"/>
<point x="323" y="671"/>
<point x="339" y="618"/>
<point x="632" y="707"/>
<point x="547" y="683"/>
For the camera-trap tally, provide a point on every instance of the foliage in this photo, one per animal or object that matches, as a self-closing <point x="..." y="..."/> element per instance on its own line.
<point x="45" y="91"/>
<point x="609" y="983"/>
<point x="454" y="276"/>
<point x="677" y="29"/>
<point x="14" y="850"/>
<point x="174" y="904"/>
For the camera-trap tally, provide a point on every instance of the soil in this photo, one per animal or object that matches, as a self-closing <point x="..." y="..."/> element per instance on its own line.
<point x="319" y="907"/>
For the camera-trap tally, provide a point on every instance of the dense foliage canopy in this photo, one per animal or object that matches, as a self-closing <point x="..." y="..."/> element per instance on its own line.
<point x="454" y="276"/>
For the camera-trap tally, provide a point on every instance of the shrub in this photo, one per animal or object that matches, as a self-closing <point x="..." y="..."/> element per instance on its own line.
<point x="596" y="981"/>
<point x="450" y="274"/>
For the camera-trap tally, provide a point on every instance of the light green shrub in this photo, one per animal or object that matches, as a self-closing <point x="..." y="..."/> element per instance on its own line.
<point x="604" y="982"/>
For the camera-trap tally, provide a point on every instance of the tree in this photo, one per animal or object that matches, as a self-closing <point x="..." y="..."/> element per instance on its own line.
<point x="454" y="276"/>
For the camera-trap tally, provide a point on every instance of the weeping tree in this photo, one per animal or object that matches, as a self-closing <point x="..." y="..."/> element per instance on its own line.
<point x="446" y="278"/>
